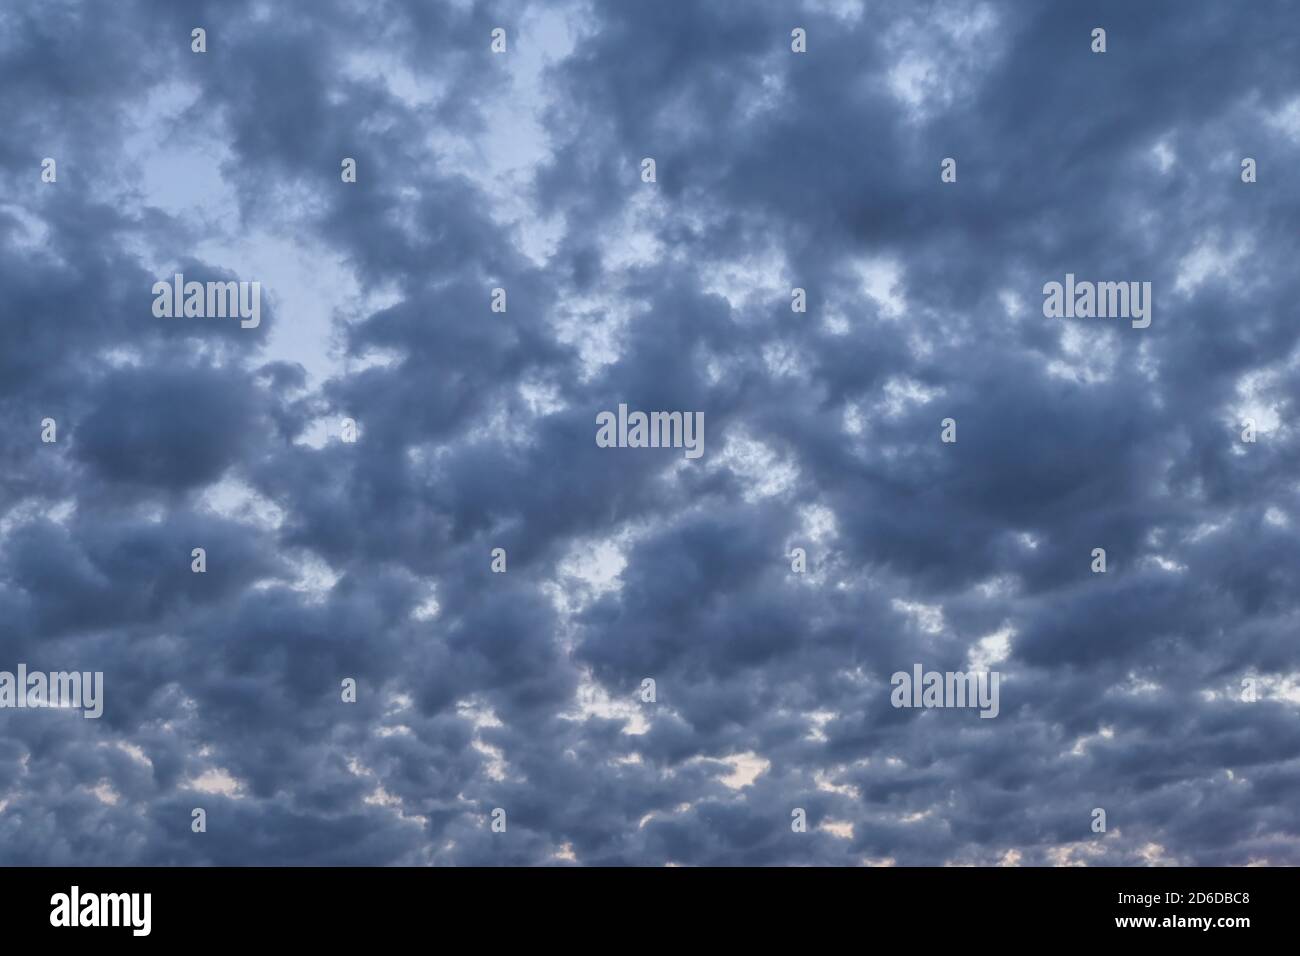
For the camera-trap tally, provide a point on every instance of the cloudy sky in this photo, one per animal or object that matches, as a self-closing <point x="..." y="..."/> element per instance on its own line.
<point x="371" y="560"/>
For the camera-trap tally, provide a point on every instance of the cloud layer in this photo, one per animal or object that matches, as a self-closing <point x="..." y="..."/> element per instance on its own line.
<point x="371" y="560"/>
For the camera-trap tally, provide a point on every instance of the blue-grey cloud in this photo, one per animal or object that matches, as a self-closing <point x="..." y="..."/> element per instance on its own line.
<point x="372" y="560"/>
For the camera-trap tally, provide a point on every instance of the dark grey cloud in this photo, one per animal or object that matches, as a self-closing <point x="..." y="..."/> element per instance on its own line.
<point x="372" y="560"/>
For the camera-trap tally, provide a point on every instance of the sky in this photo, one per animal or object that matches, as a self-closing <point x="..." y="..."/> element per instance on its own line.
<point x="1164" y="691"/>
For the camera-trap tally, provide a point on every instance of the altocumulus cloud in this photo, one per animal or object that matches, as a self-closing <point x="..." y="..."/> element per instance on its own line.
<point x="371" y="559"/>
